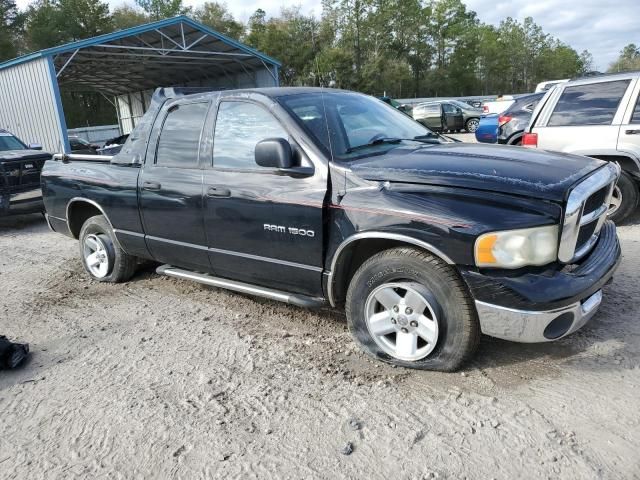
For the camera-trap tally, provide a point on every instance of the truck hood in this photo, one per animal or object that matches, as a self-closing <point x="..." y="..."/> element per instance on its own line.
<point x="496" y="168"/>
<point x="12" y="155"/>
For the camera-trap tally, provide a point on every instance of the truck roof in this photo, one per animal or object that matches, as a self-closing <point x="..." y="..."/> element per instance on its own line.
<point x="267" y="91"/>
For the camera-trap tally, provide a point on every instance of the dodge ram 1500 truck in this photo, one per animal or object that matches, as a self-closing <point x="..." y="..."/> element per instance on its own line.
<point x="325" y="197"/>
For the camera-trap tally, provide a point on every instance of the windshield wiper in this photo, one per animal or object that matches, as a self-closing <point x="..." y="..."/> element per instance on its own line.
<point x="427" y="138"/>
<point x="377" y="141"/>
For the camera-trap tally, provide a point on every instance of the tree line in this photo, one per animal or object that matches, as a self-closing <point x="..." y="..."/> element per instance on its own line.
<point x="403" y="48"/>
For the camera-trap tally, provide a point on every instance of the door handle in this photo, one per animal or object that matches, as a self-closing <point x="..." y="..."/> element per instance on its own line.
<point x="632" y="132"/>
<point x="151" y="186"/>
<point x="218" y="192"/>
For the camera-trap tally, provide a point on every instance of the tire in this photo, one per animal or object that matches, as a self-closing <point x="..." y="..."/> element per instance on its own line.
<point x="111" y="263"/>
<point x="446" y="332"/>
<point x="625" y="198"/>
<point x="472" y="125"/>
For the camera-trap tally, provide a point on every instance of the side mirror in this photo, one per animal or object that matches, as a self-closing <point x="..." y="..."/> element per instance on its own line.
<point x="274" y="153"/>
<point x="35" y="146"/>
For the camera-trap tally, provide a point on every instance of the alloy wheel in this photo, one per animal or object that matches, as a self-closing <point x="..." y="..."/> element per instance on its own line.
<point x="402" y="321"/>
<point x="96" y="256"/>
<point x="616" y="201"/>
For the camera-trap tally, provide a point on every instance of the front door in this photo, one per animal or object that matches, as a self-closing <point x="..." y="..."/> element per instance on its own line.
<point x="262" y="227"/>
<point x="170" y="187"/>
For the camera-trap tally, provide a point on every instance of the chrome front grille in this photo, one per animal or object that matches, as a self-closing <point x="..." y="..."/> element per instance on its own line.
<point x="586" y="212"/>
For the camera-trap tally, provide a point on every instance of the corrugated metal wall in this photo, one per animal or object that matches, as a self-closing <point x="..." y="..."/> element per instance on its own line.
<point x="29" y="107"/>
<point x="132" y="106"/>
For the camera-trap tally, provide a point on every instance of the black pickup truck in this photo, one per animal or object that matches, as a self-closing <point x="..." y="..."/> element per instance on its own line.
<point x="324" y="197"/>
<point x="20" y="167"/>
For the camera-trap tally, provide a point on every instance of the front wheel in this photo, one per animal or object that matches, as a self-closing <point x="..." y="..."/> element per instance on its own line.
<point x="624" y="199"/>
<point x="472" y="125"/>
<point x="409" y="308"/>
<point x="101" y="254"/>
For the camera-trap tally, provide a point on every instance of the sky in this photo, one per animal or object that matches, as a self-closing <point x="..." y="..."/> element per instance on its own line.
<point x="603" y="27"/>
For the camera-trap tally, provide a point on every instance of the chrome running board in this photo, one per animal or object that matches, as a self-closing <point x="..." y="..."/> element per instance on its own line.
<point x="291" y="298"/>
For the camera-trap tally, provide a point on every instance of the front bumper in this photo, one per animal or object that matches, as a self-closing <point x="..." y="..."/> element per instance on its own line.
<point x="532" y="327"/>
<point x="16" y="203"/>
<point x="549" y="304"/>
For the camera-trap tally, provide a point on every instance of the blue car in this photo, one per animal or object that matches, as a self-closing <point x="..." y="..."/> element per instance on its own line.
<point x="487" y="131"/>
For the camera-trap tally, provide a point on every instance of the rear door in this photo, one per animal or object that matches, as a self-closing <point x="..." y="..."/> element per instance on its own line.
<point x="584" y="118"/>
<point x="262" y="227"/>
<point x="629" y="139"/>
<point x="170" y="187"/>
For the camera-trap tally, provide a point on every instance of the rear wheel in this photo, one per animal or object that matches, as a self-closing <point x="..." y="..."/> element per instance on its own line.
<point x="472" y="125"/>
<point x="408" y="308"/>
<point x="101" y="254"/>
<point x="624" y="199"/>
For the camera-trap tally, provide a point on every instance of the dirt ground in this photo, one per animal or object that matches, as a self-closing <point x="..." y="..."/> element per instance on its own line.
<point x="161" y="378"/>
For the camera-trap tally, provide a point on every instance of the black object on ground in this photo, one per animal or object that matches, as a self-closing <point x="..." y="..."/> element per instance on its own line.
<point x="12" y="354"/>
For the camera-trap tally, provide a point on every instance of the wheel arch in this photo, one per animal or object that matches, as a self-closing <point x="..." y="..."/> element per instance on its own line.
<point x="628" y="164"/>
<point x="79" y="209"/>
<point x="515" y="137"/>
<point x="356" y="249"/>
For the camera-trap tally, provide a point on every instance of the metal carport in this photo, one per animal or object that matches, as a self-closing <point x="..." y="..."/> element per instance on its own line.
<point x="124" y="66"/>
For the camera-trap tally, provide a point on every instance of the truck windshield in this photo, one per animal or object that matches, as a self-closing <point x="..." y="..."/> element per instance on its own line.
<point x="352" y="125"/>
<point x="9" y="142"/>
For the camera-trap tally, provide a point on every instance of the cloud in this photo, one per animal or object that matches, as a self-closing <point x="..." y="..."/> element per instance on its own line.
<point x="603" y="27"/>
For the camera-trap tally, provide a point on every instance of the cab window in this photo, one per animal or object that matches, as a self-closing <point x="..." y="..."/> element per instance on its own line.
<point x="179" y="140"/>
<point x="240" y="126"/>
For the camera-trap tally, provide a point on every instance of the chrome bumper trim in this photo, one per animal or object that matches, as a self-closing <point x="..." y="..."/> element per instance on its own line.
<point x="35" y="194"/>
<point x="573" y="218"/>
<point x="528" y="326"/>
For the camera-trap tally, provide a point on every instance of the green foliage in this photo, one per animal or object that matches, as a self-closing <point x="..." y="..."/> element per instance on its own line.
<point x="10" y="29"/>
<point x="54" y="22"/>
<point x="159" y="9"/>
<point x="125" y="16"/>
<point x="403" y="48"/>
<point x="216" y="15"/>
<point x="629" y="60"/>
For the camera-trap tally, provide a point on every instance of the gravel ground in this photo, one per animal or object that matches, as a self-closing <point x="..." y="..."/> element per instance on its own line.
<point x="161" y="378"/>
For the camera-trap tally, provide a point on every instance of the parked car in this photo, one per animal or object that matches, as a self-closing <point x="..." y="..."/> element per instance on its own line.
<point x="439" y="117"/>
<point x="470" y="115"/>
<point x="487" y="131"/>
<point x="317" y="197"/>
<point x="497" y="106"/>
<point x="514" y="120"/>
<point x="599" y="117"/>
<point x="403" y="107"/>
<point x="113" y="145"/>
<point x="473" y="102"/>
<point x="20" y="167"/>
<point x="544" y="86"/>
<point x="80" y="145"/>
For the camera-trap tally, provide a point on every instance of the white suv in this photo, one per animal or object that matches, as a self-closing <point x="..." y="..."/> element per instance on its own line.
<point x="598" y="117"/>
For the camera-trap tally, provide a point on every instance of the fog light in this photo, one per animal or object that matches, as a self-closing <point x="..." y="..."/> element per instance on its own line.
<point x="559" y="326"/>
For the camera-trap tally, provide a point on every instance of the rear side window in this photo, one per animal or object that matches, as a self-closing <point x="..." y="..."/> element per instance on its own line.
<point x="448" y="108"/>
<point x="179" y="140"/>
<point x="636" y="112"/>
<point x="594" y="104"/>
<point x="239" y="128"/>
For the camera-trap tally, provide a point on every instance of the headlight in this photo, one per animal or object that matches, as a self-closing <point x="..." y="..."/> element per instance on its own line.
<point x="517" y="248"/>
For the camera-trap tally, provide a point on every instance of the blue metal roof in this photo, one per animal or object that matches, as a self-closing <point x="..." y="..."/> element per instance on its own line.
<point x="109" y="37"/>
